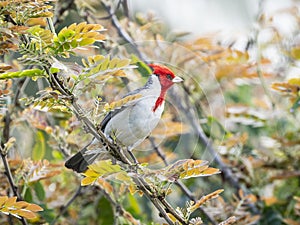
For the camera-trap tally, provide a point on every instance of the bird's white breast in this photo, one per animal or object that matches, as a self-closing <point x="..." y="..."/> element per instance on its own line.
<point x="133" y="124"/>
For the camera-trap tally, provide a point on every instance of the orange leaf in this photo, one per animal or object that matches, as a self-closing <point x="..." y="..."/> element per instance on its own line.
<point x="26" y="214"/>
<point x="20" y="205"/>
<point x="10" y="202"/>
<point x="210" y="171"/>
<point x="3" y="199"/>
<point x="290" y="222"/>
<point x="34" y="208"/>
<point x="205" y="199"/>
<point x="270" y="200"/>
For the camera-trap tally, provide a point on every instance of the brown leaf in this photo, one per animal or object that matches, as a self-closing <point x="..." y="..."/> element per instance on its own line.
<point x="205" y="199"/>
<point x="21" y="204"/>
<point x="3" y="199"/>
<point x="10" y="202"/>
<point x="34" y="208"/>
<point x="26" y="214"/>
<point x="290" y="221"/>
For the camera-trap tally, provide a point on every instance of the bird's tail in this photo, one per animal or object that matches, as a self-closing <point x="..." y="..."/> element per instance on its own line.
<point x="80" y="161"/>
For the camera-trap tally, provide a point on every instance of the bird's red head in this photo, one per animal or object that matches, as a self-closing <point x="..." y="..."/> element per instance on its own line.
<point x="165" y="75"/>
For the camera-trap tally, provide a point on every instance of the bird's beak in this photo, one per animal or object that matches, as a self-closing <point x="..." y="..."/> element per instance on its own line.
<point x="177" y="79"/>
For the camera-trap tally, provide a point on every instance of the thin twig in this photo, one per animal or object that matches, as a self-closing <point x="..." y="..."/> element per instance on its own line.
<point x="258" y="58"/>
<point x="123" y="33"/>
<point x="3" y="154"/>
<point x="111" y="13"/>
<point x="60" y="11"/>
<point x="119" y="210"/>
<point x="226" y="171"/>
<point x="156" y="202"/>
<point x="131" y="42"/>
<point x="66" y="206"/>
<point x="116" y="150"/>
<point x="181" y="185"/>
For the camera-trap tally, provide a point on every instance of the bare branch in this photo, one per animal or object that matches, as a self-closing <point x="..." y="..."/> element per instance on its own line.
<point x="123" y="33"/>
<point x="3" y="154"/>
<point x="226" y="171"/>
<point x="181" y="185"/>
<point x="66" y="206"/>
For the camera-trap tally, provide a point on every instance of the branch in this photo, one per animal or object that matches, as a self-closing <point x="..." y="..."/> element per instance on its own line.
<point x="114" y="149"/>
<point x="181" y="185"/>
<point x="66" y="206"/>
<point x="112" y="12"/>
<point x="116" y="206"/>
<point x="226" y="171"/>
<point x="123" y="33"/>
<point x="61" y="10"/>
<point x="3" y="154"/>
<point x="131" y="42"/>
<point x="258" y="57"/>
<point x="156" y="202"/>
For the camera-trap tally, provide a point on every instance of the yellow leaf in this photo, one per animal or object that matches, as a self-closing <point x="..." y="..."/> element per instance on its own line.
<point x="172" y="217"/>
<point x="205" y="199"/>
<point x="132" y="189"/>
<point x="210" y="171"/>
<point x="87" y="181"/>
<point x="3" y="199"/>
<point x="91" y="173"/>
<point x="34" y="208"/>
<point x="295" y="52"/>
<point x="121" y="102"/>
<point x="123" y="63"/>
<point x="21" y="204"/>
<point x="36" y="21"/>
<point x="10" y="202"/>
<point x="113" y="63"/>
<point x="122" y="176"/>
<point x="120" y="73"/>
<point x="294" y="81"/>
<point x="288" y="88"/>
<point x="26" y="214"/>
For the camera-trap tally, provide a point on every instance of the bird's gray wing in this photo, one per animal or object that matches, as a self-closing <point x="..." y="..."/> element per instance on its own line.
<point x="114" y="112"/>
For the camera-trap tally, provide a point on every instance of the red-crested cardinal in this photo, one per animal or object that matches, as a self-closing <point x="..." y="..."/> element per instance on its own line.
<point x="133" y="122"/>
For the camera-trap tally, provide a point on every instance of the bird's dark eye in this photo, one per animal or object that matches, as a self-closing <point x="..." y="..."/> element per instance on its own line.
<point x="169" y="77"/>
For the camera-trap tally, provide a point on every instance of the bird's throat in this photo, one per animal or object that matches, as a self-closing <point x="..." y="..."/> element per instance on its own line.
<point x="159" y="101"/>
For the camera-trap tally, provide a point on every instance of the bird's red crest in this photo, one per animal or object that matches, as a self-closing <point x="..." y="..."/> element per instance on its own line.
<point x="161" y="70"/>
<point x="165" y="76"/>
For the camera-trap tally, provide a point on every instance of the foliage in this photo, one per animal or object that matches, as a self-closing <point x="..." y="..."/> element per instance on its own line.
<point x="10" y="206"/>
<point x="59" y="77"/>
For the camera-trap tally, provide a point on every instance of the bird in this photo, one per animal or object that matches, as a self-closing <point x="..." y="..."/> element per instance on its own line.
<point x="133" y="122"/>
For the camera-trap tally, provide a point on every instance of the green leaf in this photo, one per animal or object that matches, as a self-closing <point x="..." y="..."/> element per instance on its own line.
<point x="39" y="148"/>
<point x="65" y="34"/>
<point x="105" y="212"/>
<point x="296" y="105"/>
<point x="39" y="190"/>
<point x="24" y="73"/>
<point x="28" y="195"/>
<point x="104" y="64"/>
<point x="123" y="63"/>
<point x="67" y="46"/>
<point x="143" y="68"/>
<point x="87" y="41"/>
